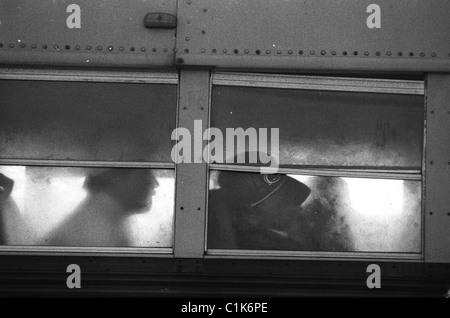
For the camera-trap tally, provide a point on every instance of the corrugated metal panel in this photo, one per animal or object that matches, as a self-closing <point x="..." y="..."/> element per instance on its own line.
<point x="319" y="34"/>
<point x="437" y="176"/>
<point x="112" y="33"/>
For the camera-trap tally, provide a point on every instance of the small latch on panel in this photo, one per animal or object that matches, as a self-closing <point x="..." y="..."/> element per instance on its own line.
<point x="160" y="21"/>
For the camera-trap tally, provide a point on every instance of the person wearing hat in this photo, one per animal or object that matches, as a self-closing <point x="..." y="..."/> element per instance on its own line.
<point x="113" y="195"/>
<point x="253" y="211"/>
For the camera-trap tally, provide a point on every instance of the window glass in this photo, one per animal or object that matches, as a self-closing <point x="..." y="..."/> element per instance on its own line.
<point x="86" y="121"/>
<point x="252" y="211"/>
<point x="86" y="206"/>
<point x="325" y="128"/>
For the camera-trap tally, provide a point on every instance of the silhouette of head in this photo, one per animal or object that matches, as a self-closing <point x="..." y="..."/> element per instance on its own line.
<point x="132" y="188"/>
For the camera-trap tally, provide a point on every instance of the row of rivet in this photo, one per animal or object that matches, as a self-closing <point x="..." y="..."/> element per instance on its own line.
<point x="322" y="52"/>
<point x="78" y="47"/>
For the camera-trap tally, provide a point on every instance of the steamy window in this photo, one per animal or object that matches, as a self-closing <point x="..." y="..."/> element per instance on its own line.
<point x="112" y="207"/>
<point x="350" y="165"/>
<point x="313" y="213"/>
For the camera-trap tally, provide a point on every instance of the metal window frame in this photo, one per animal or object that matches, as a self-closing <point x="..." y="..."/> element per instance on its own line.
<point x="132" y="77"/>
<point x="324" y="83"/>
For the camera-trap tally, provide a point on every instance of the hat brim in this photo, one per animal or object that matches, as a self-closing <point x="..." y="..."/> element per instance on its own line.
<point x="292" y="192"/>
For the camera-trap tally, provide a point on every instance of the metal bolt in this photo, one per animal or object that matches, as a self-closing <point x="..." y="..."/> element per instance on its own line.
<point x="99" y="48"/>
<point x="388" y="53"/>
<point x="279" y="52"/>
<point x="203" y="50"/>
<point x="323" y="52"/>
<point x="290" y="52"/>
<point x="224" y="51"/>
<point x="366" y="53"/>
<point x="312" y="52"/>
<point x="333" y="53"/>
<point x="433" y="54"/>
<point x="187" y="38"/>
<point x="188" y="21"/>
<point x="110" y="48"/>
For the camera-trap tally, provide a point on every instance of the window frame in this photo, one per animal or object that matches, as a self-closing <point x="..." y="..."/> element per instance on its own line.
<point x="337" y="84"/>
<point x="169" y="77"/>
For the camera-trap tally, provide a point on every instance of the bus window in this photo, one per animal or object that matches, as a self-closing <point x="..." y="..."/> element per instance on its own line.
<point x="328" y="128"/>
<point x="86" y="121"/>
<point x="93" y="207"/>
<point x="252" y="211"/>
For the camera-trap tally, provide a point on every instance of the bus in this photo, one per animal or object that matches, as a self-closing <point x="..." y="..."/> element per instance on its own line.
<point x="199" y="148"/>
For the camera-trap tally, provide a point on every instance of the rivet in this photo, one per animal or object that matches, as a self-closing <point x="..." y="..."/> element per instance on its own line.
<point x="333" y="52"/>
<point x="88" y="48"/>
<point x="185" y="108"/>
<point x="1" y="44"/>
<point x="181" y="208"/>
<point x="164" y="50"/>
<point x="132" y="49"/>
<point x="344" y="53"/>
<point x="67" y="47"/>
<point x="355" y="53"/>
<point x="203" y="50"/>
<point x="186" y="50"/>
<point x="432" y="112"/>
<point x="204" y="10"/>
<point x="258" y="52"/>
<point x="246" y="51"/>
<point x="154" y="49"/>
<point x="422" y="54"/>
<point x="77" y="47"/>
<point x="189" y="2"/>
<point x="175" y="50"/>
<point x="203" y="32"/>
<point x="431" y="213"/>
<point x="433" y="54"/>
<point x="289" y="51"/>
<point x="33" y="46"/>
<point x="121" y="48"/>
<point x="110" y="48"/>
<point x="268" y="52"/>
<point x="378" y="53"/>
<point x="202" y="108"/>
<point x="44" y="46"/>
<point x="143" y="49"/>
<point x="400" y="53"/>
<point x="224" y="51"/>
<point x="323" y="52"/>
<point x="214" y="50"/>
<point x="188" y="21"/>
<point x="187" y="38"/>
<point x="366" y="53"/>
<point x="278" y="51"/>
<point x="22" y="46"/>
<point x="411" y="54"/>
<point x="11" y="45"/>
<point x="312" y="52"/>
<point x="99" y="48"/>
<point x="388" y="53"/>
<point x="300" y="52"/>
<point x="236" y="51"/>
<point x="431" y="162"/>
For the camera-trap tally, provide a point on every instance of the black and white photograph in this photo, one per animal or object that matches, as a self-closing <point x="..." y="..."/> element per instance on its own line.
<point x="224" y="155"/>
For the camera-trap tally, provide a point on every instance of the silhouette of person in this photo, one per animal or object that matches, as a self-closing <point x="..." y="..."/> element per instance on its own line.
<point x="252" y="211"/>
<point x="9" y="211"/>
<point x="113" y="196"/>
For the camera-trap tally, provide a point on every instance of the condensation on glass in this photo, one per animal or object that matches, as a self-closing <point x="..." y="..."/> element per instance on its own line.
<point x="324" y="128"/>
<point x="86" y="121"/>
<point x="251" y="211"/>
<point x="59" y="206"/>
